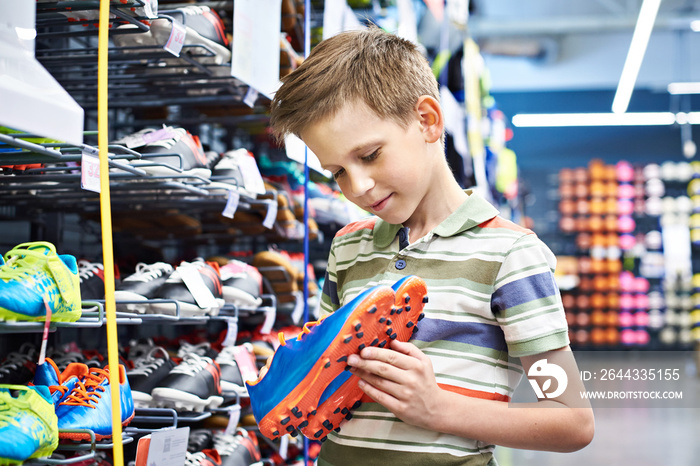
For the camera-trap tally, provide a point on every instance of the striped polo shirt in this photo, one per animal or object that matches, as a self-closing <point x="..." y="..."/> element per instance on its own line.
<point x="492" y="295"/>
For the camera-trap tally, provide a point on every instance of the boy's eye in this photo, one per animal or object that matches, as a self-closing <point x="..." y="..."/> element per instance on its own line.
<point x="337" y="174"/>
<point x="370" y="157"/>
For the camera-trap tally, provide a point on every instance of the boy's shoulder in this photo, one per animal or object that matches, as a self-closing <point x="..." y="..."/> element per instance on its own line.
<point x="356" y="226"/>
<point x="499" y="222"/>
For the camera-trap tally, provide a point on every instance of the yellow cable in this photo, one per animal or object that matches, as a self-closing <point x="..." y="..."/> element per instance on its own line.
<point x="106" y="216"/>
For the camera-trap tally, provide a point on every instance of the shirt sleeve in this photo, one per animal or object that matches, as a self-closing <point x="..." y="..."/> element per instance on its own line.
<point x="526" y="300"/>
<point x="329" y="296"/>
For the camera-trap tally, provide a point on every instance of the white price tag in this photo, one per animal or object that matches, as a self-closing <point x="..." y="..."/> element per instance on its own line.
<point x="271" y="215"/>
<point x="246" y="362"/>
<point x="90" y="171"/>
<point x="298" y="311"/>
<point x="270" y="316"/>
<point x="176" y="39"/>
<point x="233" y="418"/>
<point x="256" y="44"/>
<point x="284" y="446"/>
<point x="195" y="283"/>
<point x="231" y="333"/>
<point x="149" y="10"/>
<point x="231" y="204"/>
<point x="252" y="180"/>
<point x="168" y="447"/>
<point x="250" y="97"/>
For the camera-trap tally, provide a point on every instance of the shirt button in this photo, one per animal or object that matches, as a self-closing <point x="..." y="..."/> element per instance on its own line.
<point x="400" y="264"/>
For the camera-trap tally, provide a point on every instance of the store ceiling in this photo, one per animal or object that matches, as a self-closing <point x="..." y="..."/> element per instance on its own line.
<point x="570" y="45"/>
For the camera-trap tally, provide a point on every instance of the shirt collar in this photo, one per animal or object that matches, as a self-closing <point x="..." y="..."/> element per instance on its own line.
<point x="473" y="212"/>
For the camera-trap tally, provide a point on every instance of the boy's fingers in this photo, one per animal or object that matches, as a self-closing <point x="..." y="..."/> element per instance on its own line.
<point x="380" y="360"/>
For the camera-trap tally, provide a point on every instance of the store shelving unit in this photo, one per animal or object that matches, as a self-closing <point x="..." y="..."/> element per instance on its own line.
<point x="148" y="86"/>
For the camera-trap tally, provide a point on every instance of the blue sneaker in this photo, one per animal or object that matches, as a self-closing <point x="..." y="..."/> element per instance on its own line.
<point x="59" y="384"/>
<point x="89" y="406"/>
<point x="343" y="394"/>
<point x="302" y="368"/>
<point x="28" y="426"/>
<point x="34" y="275"/>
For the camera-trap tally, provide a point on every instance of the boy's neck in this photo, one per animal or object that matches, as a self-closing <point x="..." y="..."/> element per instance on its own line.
<point x="435" y="208"/>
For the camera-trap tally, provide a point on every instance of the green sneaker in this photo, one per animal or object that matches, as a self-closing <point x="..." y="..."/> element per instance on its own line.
<point x="28" y="424"/>
<point x="33" y="274"/>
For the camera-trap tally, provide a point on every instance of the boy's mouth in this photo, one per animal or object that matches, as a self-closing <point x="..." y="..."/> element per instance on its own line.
<point x="380" y="205"/>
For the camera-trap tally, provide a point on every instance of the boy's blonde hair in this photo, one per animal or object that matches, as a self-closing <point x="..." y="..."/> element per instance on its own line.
<point x="382" y="70"/>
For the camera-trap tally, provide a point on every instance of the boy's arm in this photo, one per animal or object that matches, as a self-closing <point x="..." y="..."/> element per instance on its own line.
<point x="402" y="380"/>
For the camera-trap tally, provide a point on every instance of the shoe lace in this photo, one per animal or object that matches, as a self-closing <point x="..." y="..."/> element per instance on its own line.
<point x="15" y="359"/>
<point x="226" y="444"/>
<point x="88" y="269"/>
<point x="188" y="348"/>
<point x="191" y="365"/>
<point x="149" y="363"/>
<point x="304" y="330"/>
<point x="194" y="459"/>
<point x="148" y="272"/>
<point x="20" y="264"/>
<point x="85" y="392"/>
<point x="226" y="356"/>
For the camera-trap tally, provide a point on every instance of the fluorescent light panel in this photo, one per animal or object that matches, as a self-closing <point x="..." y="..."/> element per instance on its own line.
<point x="684" y="88"/>
<point x="635" y="55"/>
<point x="553" y="120"/>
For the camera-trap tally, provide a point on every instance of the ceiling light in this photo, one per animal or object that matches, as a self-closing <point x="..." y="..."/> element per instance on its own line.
<point x="695" y="25"/>
<point x="534" y="120"/>
<point x="684" y="88"/>
<point x="635" y="55"/>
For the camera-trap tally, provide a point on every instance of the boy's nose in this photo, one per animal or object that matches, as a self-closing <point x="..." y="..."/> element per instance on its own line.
<point x="360" y="184"/>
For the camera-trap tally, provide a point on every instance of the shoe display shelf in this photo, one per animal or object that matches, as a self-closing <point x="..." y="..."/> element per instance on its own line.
<point x="78" y="453"/>
<point x="147" y="86"/>
<point x="142" y="73"/>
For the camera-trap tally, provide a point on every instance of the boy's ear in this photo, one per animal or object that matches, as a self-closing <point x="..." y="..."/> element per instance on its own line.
<point x="430" y="117"/>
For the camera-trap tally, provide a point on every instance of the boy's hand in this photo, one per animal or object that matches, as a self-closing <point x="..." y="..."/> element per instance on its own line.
<point x="401" y="379"/>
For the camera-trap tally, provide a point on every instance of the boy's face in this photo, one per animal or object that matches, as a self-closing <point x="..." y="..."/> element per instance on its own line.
<point x="379" y="166"/>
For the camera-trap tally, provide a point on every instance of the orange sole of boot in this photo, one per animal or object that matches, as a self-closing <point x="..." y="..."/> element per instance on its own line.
<point x="366" y="326"/>
<point x="410" y="299"/>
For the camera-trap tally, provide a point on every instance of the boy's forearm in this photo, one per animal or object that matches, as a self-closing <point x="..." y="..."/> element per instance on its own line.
<point x="546" y="425"/>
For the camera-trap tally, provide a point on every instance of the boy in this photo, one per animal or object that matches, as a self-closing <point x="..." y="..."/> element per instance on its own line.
<point x="366" y="103"/>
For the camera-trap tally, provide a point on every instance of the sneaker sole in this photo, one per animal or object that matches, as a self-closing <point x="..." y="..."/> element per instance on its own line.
<point x="130" y="307"/>
<point x="365" y="326"/>
<point x="411" y="297"/>
<point x="173" y="398"/>
<point x="86" y="437"/>
<point x="7" y="315"/>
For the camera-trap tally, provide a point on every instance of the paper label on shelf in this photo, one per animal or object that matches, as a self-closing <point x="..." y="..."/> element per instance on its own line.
<point x="252" y="180"/>
<point x="256" y="44"/>
<point x="232" y="332"/>
<point x="90" y="171"/>
<point x="168" y="447"/>
<point x="298" y="311"/>
<point x="250" y="97"/>
<point x="148" y="9"/>
<point x="45" y="336"/>
<point x="231" y="204"/>
<point x="270" y="316"/>
<point x="195" y="283"/>
<point x="176" y="39"/>
<point x="284" y="446"/>
<point x="271" y="215"/>
<point x="246" y="363"/>
<point x="233" y="417"/>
